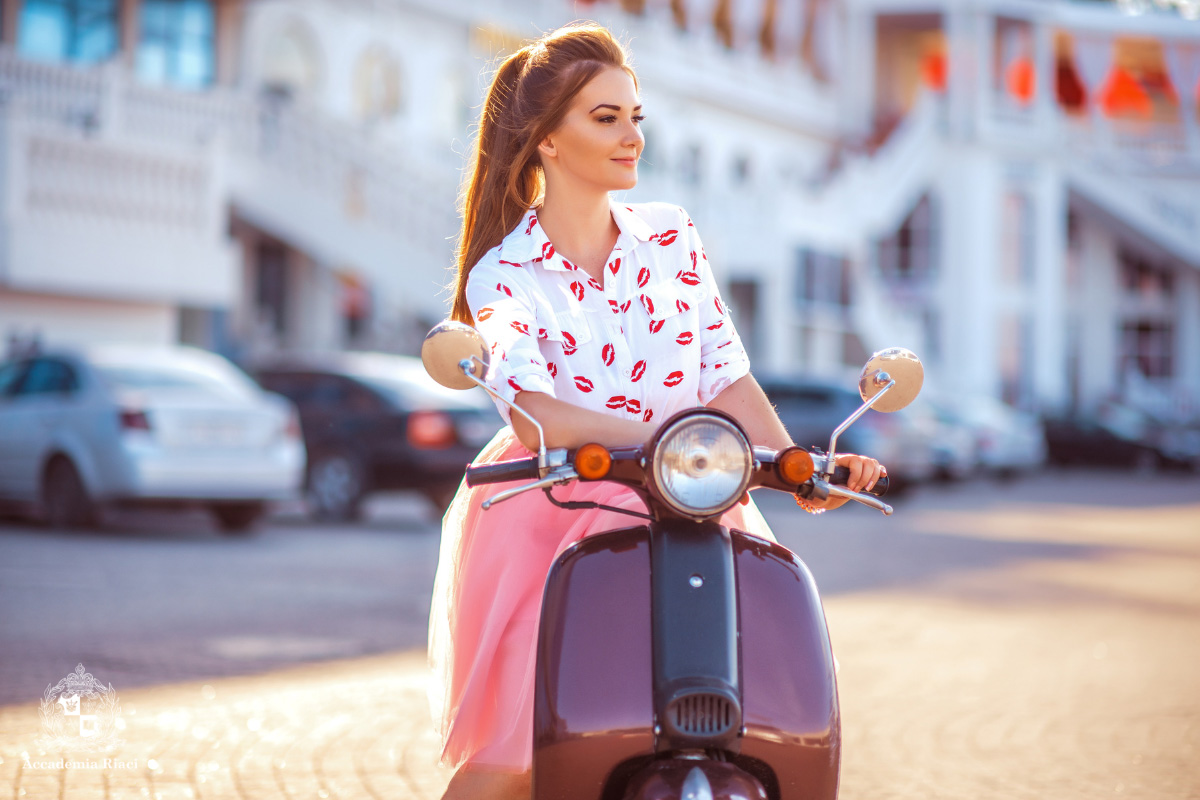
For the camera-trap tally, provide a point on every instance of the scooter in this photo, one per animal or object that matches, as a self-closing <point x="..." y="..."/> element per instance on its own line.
<point x="678" y="658"/>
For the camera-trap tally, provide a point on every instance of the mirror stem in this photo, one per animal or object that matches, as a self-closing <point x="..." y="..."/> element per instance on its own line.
<point x="468" y="370"/>
<point x="831" y="456"/>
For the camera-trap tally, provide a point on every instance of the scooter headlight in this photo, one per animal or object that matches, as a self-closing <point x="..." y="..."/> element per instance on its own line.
<point x="701" y="464"/>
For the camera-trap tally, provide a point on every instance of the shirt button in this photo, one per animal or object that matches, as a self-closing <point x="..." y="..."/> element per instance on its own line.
<point x="627" y="373"/>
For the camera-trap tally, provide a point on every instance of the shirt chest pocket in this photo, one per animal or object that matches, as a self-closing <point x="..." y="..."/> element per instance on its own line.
<point x="667" y="299"/>
<point x="563" y="322"/>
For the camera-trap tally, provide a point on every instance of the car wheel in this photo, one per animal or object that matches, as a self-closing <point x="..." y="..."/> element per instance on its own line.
<point x="335" y="486"/>
<point x="237" y="518"/>
<point x="65" y="499"/>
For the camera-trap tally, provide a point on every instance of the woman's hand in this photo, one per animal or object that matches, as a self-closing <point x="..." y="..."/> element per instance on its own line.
<point x="864" y="472"/>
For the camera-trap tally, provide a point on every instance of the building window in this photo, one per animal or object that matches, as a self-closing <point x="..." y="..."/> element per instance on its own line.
<point x="376" y="85"/>
<point x="909" y="254"/>
<point x="1017" y="243"/>
<point x="691" y="166"/>
<point x="81" y="31"/>
<point x="177" y="44"/>
<point x="292" y="63"/>
<point x="822" y="278"/>
<point x="1148" y="346"/>
<point x="1144" y="280"/>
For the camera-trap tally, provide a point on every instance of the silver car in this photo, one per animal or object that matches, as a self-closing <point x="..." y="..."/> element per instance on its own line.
<point x="109" y="425"/>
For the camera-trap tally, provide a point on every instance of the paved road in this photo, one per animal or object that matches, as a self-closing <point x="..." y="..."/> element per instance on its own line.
<point x="996" y="640"/>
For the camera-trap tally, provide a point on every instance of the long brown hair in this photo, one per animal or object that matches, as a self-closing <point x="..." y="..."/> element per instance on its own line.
<point x="528" y="98"/>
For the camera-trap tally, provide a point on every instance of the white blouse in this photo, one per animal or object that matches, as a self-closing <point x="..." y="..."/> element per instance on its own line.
<point x="653" y="340"/>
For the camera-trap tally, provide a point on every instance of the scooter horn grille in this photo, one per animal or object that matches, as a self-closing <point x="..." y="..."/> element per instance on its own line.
<point x="702" y="715"/>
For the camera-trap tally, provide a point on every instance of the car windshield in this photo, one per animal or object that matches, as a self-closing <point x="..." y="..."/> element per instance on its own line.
<point x="420" y="392"/>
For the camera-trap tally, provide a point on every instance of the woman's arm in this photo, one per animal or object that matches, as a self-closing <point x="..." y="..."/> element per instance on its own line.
<point x="746" y="402"/>
<point x="569" y="425"/>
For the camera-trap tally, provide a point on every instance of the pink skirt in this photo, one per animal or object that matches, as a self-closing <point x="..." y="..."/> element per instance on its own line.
<point x="487" y="599"/>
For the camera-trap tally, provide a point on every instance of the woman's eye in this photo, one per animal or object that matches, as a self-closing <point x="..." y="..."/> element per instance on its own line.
<point x="639" y="118"/>
<point x="607" y="119"/>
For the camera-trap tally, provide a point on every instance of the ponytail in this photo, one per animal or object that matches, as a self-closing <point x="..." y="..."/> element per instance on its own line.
<point x="529" y="95"/>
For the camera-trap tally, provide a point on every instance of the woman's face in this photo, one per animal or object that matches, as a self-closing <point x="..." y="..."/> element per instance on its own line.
<point x="599" y="140"/>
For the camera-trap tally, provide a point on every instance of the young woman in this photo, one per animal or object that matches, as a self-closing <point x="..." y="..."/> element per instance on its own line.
<point x="604" y="319"/>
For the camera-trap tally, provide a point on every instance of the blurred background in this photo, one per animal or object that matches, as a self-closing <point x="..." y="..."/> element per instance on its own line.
<point x="1012" y="190"/>
<point x="225" y="226"/>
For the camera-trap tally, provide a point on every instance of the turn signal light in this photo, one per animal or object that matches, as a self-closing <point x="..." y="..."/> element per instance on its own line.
<point x="592" y="462"/>
<point x="795" y="465"/>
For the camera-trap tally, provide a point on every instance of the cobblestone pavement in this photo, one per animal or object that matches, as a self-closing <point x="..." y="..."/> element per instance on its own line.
<point x="988" y="649"/>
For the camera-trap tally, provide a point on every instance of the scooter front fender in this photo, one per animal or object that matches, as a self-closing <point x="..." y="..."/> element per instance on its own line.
<point x="675" y="779"/>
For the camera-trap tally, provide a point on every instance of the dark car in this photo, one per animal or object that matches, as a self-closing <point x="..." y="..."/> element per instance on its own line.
<point x="811" y="409"/>
<point x="378" y="421"/>
<point x="1119" y="436"/>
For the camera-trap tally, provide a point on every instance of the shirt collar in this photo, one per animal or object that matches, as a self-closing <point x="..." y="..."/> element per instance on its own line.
<point x="528" y="242"/>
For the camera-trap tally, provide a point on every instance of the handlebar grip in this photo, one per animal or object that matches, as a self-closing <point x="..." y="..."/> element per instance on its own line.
<point x="503" y="471"/>
<point x="842" y="474"/>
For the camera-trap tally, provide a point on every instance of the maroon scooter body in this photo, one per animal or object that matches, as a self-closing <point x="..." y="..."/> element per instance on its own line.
<point x="594" y="727"/>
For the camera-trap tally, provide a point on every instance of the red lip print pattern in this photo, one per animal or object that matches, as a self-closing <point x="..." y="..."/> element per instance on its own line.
<point x="625" y="305"/>
<point x="529" y="227"/>
<point x="616" y="401"/>
<point x="520" y="327"/>
<point x="570" y="339"/>
<point x="716" y="326"/>
<point x="510" y="263"/>
<point x="648" y="415"/>
<point x="693" y="259"/>
<point x="552" y="368"/>
<point x="684" y="338"/>
<point x="608" y="354"/>
<point x="689" y="278"/>
<point x="667" y="237"/>
<point x="633" y="406"/>
<point x="615" y="306"/>
<point x="639" y="369"/>
<point x="547" y="250"/>
<point x="583" y="384"/>
<point x="484" y="314"/>
<point x="674" y="379"/>
<point x="542" y="333"/>
<point x="720" y="308"/>
<point x="577" y="290"/>
<point x="647" y="303"/>
<point x="614" y="266"/>
<point x="682" y="306"/>
<point x="500" y="287"/>
<point x="595" y="284"/>
<point x="655" y="327"/>
<point x="643" y="277"/>
<point x="516" y="386"/>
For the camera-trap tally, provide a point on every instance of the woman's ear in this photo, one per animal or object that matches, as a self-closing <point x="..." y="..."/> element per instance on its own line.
<point x="547" y="148"/>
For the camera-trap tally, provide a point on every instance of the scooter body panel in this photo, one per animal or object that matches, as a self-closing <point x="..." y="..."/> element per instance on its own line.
<point x="789" y="692"/>
<point x="594" y="695"/>
<point x="593" y="701"/>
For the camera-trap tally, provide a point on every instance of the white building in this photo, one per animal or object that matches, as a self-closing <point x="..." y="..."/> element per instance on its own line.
<point x="1012" y="189"/>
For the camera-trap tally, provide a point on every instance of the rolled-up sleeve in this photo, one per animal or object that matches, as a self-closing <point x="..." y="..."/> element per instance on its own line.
<point x="723" y="358"/>
<point x="503" y="307"/>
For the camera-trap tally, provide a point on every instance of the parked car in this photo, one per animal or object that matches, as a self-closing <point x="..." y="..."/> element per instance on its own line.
<point x="955" y="445"/>
<point x="378" y="421"/>
<point x="811" y="409"/>
<point x="96" y="426"/>
<point x="1122" y="436"/>
<point x="1007" y="442"/>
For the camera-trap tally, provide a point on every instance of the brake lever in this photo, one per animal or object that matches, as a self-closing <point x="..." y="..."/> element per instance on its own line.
<point x="821" y="487"/>
<point x="559" y="475"/>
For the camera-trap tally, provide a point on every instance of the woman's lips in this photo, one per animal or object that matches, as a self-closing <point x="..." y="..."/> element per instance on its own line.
<point x="626" y="161"/>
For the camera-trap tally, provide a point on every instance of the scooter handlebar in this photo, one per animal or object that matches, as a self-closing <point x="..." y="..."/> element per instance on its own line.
<point x="503" y="472"/>
<point x="842" y="474"/>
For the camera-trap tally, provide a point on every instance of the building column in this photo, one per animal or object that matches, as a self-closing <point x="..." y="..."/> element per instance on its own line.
<point x="1049" y="197"/>
<point x="229" y="19"/>
<point x="129" y="14"/>
<point x="11" y="16"/>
